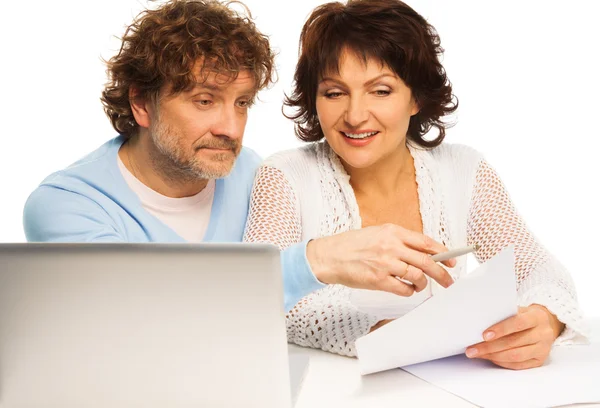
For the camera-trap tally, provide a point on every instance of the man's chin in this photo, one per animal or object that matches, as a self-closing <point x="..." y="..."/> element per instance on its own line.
<point x="214" y="165"/>
<point x="214" y="172"/>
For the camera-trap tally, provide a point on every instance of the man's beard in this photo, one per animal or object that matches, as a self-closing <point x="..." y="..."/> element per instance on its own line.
<point x="170" y="156"/>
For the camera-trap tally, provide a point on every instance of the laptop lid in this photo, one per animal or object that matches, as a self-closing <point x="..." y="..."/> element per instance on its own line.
<point x="142" y="325"/>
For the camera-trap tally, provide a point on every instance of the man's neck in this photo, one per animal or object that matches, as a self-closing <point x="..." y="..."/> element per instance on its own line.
<point x="142" y="160"/>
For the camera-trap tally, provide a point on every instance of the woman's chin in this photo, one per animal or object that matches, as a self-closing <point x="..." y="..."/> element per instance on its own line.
<point x="358" y="161"/>
<point x="356" y="158"/>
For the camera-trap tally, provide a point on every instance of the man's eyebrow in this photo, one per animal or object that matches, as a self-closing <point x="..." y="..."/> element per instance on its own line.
<point x="209" y="86"/>
<point x="251" y="91"/>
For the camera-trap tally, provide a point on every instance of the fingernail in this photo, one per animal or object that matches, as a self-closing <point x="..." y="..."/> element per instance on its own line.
<point x="472" y="352"/>
<point x="489" y="335"/>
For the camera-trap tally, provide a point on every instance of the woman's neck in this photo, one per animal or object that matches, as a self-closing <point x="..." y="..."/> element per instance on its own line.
<point x="386" y="177"/>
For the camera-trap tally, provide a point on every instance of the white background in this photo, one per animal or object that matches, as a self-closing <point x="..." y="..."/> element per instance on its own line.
<point x="525" y="73"/>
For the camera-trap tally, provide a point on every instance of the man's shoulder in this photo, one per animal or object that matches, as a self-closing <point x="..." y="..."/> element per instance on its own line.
<point x="248" y="159"/>
<point x="244" y="168"/>
<point x="91" y="168"/>
<point x="80" y="191"/>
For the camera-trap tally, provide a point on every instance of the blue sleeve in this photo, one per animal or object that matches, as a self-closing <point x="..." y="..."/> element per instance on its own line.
<point x="298" y="278"/>
<point x="55" y="215"/>
<point x="254" y="157"/>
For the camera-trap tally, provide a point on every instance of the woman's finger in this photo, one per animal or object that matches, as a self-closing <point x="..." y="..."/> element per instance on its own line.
<point x="425" y="244"/>
<point x="422" y="261"/>
<point x="517" y="323"/>
<point x="508" y="342"/>
<point x="393" y="285"/>
<point x="523" y="365"/>
<point x="410" y="275"/>
<point x="517" y="354"/>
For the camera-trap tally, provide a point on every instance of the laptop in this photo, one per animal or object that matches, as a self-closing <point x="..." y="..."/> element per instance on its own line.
<point x="144" y="325"/>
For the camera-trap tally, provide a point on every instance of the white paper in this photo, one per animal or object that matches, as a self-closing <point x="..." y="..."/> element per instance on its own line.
<point x="570" y="376"/>
<point x="447" y="323"/>
<point x="386" y="305"/>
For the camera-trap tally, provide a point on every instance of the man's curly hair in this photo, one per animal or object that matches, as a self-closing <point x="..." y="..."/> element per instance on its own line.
<point x="162" y="47"/>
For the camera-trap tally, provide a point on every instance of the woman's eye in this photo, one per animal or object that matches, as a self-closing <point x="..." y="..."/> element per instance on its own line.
<point x="382" y="92"/>
<point x="333" y="95"/>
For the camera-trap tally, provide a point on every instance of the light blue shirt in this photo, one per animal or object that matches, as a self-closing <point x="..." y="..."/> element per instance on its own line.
<point x="90" y="201"/>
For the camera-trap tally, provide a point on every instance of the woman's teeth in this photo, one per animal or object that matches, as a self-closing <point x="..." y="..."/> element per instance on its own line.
<point x="359" y="135"/>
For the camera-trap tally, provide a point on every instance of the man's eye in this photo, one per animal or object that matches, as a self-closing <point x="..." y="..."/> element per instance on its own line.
<point x="245" y="104"/>
<point x="204" y="102"/>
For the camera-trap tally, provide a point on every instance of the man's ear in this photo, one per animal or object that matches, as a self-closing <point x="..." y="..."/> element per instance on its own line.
<point x="140" y="107"/>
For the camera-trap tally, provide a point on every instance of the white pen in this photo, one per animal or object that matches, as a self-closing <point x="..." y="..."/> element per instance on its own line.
<point x="444" y="256"/>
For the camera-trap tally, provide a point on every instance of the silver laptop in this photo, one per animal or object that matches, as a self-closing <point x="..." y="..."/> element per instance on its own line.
<point x="143" y="325"/>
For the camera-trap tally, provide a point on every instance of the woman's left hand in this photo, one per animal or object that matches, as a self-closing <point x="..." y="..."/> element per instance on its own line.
<point x="519" y="342"/>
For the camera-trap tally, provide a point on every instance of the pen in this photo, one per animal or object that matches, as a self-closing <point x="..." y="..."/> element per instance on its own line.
<point x="444" y="256"/>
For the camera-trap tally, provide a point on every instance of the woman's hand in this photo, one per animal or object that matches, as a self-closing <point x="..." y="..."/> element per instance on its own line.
<point x="380" y="324"/>
<point x="377" y="258"/>
<point x="519" y="342"/>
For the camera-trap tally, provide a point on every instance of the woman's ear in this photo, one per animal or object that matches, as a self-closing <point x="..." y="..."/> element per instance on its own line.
<point x="415" y="108"/>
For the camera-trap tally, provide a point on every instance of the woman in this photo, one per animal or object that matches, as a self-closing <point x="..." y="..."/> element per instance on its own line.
<point x="368" y="88"/>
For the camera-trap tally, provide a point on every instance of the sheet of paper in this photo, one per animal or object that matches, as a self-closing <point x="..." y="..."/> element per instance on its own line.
<point x="571" y="376"/>
<point x="447" y="323"/>
<point x="386" y="305"/>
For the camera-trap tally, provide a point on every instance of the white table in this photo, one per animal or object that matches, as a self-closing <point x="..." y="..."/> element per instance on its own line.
<point x="334" y="381"/>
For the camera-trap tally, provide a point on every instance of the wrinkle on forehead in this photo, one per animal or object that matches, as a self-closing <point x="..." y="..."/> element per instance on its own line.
<point x="217" y="81"/>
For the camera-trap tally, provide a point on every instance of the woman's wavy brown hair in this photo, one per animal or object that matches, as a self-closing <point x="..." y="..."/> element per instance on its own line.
<point x="162" y="46"/>
<point x="385" y="30"/>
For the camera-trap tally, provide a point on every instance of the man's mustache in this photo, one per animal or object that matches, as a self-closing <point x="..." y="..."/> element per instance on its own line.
<point x="219" y="144"/>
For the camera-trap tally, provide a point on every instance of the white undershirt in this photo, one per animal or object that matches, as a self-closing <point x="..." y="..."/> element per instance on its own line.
<point x="188" y="216"/>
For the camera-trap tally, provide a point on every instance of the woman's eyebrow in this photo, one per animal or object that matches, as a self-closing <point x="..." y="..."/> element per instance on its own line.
<point x="368" y="83"/>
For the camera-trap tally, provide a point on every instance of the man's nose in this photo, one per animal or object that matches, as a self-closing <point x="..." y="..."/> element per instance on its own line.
<point x="229" y="123"/>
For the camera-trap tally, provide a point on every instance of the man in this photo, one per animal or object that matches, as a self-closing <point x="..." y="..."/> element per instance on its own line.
<point x="179" y="92"/>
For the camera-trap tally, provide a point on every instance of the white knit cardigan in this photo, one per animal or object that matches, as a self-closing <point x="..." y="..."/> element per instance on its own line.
<point x="305" y="193"/>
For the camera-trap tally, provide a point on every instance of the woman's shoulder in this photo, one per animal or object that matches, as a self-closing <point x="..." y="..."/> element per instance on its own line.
<point x="455" y="151"/>
<point x="456" y="154"/>
<point x="299" y="166"/>
<point x="293" y="159"/>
